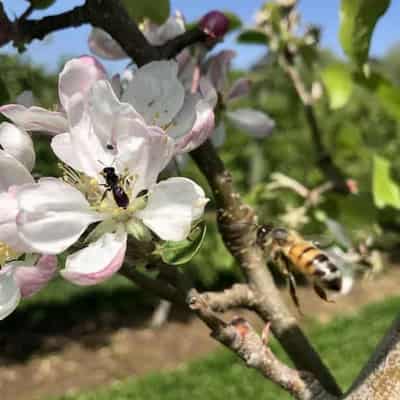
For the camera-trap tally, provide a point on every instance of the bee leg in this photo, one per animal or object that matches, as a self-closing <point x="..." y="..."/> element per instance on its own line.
<point x="104" y="194"/>
<point x="321" y="293"/>
<point x="285" y="268"/>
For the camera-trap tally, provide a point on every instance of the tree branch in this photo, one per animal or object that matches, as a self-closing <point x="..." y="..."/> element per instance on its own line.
<point x="240" y="337"/>
<point x="236" y="224"/>
<point x="239" y="295"/>
<point x="159" y="288"/>
<point x="380" y="378"/>
<point x="324" y="159"/>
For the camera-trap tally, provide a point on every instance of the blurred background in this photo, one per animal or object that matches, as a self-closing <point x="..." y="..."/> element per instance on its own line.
<point x="69" y="340"/>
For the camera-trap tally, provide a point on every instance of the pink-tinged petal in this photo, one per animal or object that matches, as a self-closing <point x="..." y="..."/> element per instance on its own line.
<point x="10" y="294"/>
<point x="12" y="172"/>
<point x="208" y="92"/>
<point x="98" y="261"/>
<point x="36" y="118"/>
<point x="31" y="279"/>
<point x="202" y="129"/>
<point x="78" y="77"/>
<point x="173" y="205"/>
<point x="18" y="143"/>
<point x="218" y="67"/>
<point x="240" y="88"/>
<point x="156" y="93"/>
<point x="143" y="150"/>
<point x="53" y="215"/>
<point x="103" y="45"/>
<point x="253" y="122"/>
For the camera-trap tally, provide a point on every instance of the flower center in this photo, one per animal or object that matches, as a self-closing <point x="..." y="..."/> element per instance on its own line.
<point x="6" y="253"/>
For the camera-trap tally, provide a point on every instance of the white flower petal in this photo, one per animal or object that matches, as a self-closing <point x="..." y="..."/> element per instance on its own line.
<point x="52" y="216"/>
<point x="253" y="122"/>
<point x="98" y="261"/>
<point x="218" y="67"/>
<point x="31" y="279"/>
<point x="173" y="205"/>
<point x="105" y="109"/>
<point x="240" y="88"/>
<point x="35" y="118"/>
<point x="10" y="294"/>
<point x="156" y="93"/>
<point x="12" y="172"/>
<point x="8" y="228"/>
<point x="25" y="98"/>
<point x="158" y="35"/>
<point x="78" y="77"/>
<point x="143" y="151"/>
<point x="103" y="45"/>
<point x="201" y="131"/>
<point x="184" y="121"/>
<point x="18" y="143"/>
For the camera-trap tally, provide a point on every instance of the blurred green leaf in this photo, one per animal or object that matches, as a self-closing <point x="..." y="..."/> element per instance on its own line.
<point x="177" y="253"/>
<point x="253" y="36"/>
<point x="385" y="190"/>
<point x="338" y="83"/>
<point x="234" y="20"/>
<point x="155" y="10"/>
<point x="387" y="93"/>
<point x="357" y="22"/>
<point x="4" y="94"/>
<point x="41" y="4"/>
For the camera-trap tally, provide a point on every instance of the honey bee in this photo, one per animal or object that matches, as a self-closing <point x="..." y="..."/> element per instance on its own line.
<point x="289" y="250"/>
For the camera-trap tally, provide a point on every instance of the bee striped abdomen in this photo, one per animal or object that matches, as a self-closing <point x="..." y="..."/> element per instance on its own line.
<point x="302" y="255"/>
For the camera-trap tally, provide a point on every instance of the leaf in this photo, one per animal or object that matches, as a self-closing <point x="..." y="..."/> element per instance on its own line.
<point x="385" y="190"/>
<point x="234" y="21"/>
<point x="357" y="21"/>
<point x="4" y="94"/>
<point x="253" y="36"/>
<point x="155" y="10"/>
<point x="387" y="93"/>
<point x="338" y="83"/>
<point x="177" y="253"/>
<point x="42" y="4"/>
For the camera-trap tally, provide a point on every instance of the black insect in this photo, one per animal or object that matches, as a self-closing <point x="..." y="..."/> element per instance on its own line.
<point x="113" y="185"/>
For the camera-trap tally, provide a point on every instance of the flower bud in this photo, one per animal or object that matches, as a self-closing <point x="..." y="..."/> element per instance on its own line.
<point x="214" y="24"/>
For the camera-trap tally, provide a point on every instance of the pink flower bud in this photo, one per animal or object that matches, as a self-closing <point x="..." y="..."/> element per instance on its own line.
<point x="215" y="24"/>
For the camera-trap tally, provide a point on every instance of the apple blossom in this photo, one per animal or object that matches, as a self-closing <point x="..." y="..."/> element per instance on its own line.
<point x="17" y="278"/>
<point x="106" y="134"/>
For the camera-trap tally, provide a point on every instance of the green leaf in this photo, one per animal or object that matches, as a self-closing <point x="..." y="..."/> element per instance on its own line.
<point x="385" y="190"/>
<point x="155" y="10"/>
<point x="4" y="94"/>
<point x="41" y="4"/>
<point x="338" y="83"/>
<point x="177" y="253"/>
<point x="357" y="21"/>
<point x="387" y="93"/>
<point x="234" y="21"/>
<point x="253" y="36"/>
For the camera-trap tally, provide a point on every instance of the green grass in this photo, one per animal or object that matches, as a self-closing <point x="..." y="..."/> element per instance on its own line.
<point x="345" y="345"/>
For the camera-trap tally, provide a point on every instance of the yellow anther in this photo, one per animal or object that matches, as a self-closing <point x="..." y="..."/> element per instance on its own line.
<point x="6" y="253"/>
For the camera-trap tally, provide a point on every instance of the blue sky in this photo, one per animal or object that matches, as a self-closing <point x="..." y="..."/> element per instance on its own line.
<point x="73" y="42"/>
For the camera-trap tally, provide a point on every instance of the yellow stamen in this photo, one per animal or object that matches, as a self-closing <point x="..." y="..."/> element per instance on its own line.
<point x="6" y="253"/>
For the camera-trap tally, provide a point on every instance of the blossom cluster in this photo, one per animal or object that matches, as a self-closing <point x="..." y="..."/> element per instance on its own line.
<point x="113" y="139"/>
